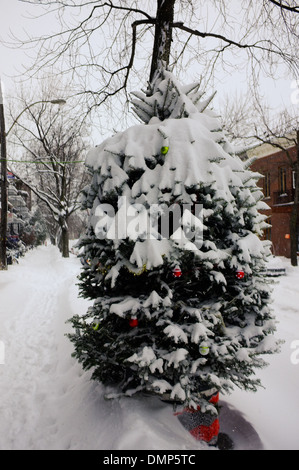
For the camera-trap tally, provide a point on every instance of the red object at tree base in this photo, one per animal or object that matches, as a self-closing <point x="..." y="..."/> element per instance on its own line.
<point x="133" y="322"/>
<point x="202" y="426"/>
<point x="206" y="433"/>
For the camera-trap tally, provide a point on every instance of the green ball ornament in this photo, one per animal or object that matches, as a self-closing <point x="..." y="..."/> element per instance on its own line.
<point x="164" y="150"/>
<point x="204" y="349"/>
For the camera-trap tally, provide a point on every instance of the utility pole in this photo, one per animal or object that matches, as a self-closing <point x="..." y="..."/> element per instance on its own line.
<point x="4" y="205"/>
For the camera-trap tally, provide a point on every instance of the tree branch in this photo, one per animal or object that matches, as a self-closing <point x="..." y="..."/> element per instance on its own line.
<point x="294" y="9"/>
<point x="231" y="42"/>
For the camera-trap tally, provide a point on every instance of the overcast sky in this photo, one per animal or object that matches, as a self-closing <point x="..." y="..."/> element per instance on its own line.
<point x="10" y="19"/>
<point x="15" y="17"/>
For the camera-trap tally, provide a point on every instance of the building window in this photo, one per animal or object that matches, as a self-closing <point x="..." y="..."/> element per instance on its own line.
<point x="282" y="180"/>
<point x="293" y="179"/>
<point x="267" y="183"/>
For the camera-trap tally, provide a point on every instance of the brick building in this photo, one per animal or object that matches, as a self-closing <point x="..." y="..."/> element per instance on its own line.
<point x="278" y="184"/>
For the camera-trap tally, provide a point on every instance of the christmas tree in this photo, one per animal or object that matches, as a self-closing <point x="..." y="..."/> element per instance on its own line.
<point x="172" y="256"/>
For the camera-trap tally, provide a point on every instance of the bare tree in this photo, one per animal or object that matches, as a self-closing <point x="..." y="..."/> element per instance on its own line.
<point x="101" y="44"/>
<point x="52" y="165"/>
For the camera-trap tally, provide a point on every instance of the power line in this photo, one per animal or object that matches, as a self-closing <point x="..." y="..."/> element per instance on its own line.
<point x="42" y="161"/>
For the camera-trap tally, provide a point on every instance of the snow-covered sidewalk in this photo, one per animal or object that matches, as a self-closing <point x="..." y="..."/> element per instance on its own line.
<point x="35" y="301"/>
<point x="48" y="402"/>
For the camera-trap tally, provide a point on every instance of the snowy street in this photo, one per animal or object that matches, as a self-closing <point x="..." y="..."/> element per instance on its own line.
<point x="48" y="402"/>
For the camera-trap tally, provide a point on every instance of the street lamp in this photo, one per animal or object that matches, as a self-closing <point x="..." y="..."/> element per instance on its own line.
<point x="60" y="102"/>
<point x="4" y="201"/>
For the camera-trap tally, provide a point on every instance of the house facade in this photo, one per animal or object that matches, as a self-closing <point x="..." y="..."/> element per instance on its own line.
<point x="278" y="185"/>
<point x="19" y="205"/>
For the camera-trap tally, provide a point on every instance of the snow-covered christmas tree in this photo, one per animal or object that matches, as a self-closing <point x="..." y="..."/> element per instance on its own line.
<point x="173" y="256"/>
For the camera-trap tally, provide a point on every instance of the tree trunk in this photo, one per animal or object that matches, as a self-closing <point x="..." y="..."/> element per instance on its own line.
<point x="64" y="238"/>
<point x="294" y="214"/>
<point x="163" y="35"/>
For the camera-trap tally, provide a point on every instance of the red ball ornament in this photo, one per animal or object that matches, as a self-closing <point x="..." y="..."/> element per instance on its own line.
<point x="240" y="274"/>
<point x="133" y="322"/>
<point x="177" y="272"/>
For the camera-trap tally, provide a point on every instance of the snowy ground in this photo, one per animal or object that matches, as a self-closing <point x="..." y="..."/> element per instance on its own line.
<point x="48" y="402"/>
